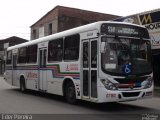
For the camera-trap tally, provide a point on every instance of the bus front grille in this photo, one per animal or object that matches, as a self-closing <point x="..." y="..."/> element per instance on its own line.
<point x="130" y="94"/>
<point x="130" y="82"/>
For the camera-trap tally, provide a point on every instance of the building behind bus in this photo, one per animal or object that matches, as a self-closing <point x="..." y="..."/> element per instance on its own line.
<point x="4" y="43"/>
<point x="63" y="18"/>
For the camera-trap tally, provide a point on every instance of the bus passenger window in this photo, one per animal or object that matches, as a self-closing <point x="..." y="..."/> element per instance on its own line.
<point x="9" y="57"/>
<point x="22" y="55"/>
<point x="32" y="54"/>
<point x="71" y="47"/>
<point x="55" y="50"/>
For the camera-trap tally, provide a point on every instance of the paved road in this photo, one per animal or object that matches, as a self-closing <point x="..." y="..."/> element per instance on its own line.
<point x="12" y="101"/>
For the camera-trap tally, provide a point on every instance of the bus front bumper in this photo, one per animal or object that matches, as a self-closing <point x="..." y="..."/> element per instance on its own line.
<point x="120" y="96"/>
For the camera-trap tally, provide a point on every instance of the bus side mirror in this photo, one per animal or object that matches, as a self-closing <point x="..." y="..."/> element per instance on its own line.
<point x="103" y="44"/>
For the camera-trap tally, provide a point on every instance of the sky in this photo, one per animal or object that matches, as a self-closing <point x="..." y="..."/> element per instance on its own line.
<point x="16" y="16"/>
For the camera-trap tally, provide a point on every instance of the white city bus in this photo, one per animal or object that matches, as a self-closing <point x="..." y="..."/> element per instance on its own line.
<point x="98" y="62"/>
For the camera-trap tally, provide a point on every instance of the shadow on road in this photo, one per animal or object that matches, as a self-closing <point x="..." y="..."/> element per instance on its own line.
<point x="103" y="107"/>
<point x="115" y="107"/>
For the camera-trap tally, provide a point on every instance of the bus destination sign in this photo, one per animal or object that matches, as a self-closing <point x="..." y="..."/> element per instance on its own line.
<point x="124" y="30"/>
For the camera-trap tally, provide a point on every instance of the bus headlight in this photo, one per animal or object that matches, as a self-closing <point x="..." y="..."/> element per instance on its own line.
<point x="108" y="85"/>
<point x="148" y="83"/>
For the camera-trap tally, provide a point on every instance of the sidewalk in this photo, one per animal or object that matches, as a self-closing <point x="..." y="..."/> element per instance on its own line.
<point x="157" y="91"/>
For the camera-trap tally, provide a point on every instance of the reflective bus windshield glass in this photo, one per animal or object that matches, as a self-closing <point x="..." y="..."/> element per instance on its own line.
<point x="126" y="56"/>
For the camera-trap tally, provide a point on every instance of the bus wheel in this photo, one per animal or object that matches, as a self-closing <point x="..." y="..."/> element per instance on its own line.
<point x="70" y="95"/>
<point x="22" y="85"/>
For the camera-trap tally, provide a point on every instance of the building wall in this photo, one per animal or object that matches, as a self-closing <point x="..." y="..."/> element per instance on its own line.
<point x="64" y="18"/>
<point x="54" y="24"/>
<point x="36" y="29"/>
<point x="50" y="17"/>
<point x="67" y="22"/>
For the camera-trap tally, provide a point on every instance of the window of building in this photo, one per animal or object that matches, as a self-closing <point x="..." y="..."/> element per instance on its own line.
<point x="71" y="47"/>
<point x="55" y="50"/>
<point x="41" y="31"/>
<point x="32" y="54"/>
<point x="9" y="57"/>
<point x="22" y="56"/>
<point x="50" y="29"/>
<point x="34" y="34"/>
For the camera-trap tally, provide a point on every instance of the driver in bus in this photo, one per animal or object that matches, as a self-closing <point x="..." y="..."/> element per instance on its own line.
<point x="123" y="57"/>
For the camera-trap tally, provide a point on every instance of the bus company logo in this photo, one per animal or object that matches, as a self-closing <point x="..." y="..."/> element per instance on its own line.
<point x="146" y="19"/>
<point x="72" y="67"/>
<point x="67" y="68"/>
<point x="32" y="75"/>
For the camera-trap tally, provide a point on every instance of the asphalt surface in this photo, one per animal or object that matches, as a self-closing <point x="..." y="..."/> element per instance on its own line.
<point x="42" y="106"/>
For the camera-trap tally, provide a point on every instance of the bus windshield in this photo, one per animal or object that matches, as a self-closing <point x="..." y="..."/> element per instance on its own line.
<point x="126" y="56"/>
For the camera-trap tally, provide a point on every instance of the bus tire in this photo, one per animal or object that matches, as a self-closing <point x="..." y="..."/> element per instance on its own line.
<point x="22" y="85"/>
<point x="70" y="94"/>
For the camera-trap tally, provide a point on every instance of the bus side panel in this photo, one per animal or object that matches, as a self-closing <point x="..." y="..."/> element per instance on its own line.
<point x="54" y="83"/>
<point x="8" y="76"/>
<point x="59" y="72"/>
<point x="32" y="79"/>
<point x="16" y="78"/>
<point x="19" y="73"/>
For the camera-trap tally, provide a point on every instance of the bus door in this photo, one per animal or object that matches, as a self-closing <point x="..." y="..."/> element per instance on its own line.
<point x="89" y="69"/>
<point x="14" y="65"/>
<point x="42" y="69"/>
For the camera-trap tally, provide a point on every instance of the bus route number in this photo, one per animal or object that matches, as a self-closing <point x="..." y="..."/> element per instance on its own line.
<point x="111" y="29"/>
